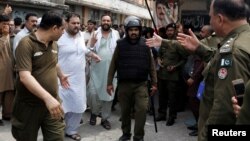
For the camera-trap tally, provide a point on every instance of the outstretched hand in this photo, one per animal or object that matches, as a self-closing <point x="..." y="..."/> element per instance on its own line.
<point x="64" y="81"/>
<point x="93" y="39"/>
<point x="190" y="42"/>
<point x="155" y="41"/>
<point x="7" y="10"/>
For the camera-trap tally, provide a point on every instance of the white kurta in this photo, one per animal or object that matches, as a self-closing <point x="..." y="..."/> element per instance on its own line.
<point x="71" y="58"/>
<point x="99" y="71"/>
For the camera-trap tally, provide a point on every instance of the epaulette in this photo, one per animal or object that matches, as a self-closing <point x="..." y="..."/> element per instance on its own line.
<point x="227" y="46"/>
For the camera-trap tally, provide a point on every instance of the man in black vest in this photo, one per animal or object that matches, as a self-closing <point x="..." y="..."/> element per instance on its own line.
<point x="133" y="62"/>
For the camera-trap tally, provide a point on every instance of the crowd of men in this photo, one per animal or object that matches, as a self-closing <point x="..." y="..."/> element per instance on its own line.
<point x="52" y="71"/>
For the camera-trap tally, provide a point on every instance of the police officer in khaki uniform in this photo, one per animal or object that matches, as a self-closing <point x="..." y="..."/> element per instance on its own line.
<point x="227" y="63"/>
<point x="133" y="62"/>
<point x="170" y="61"/>
<point x="36" y="104"/>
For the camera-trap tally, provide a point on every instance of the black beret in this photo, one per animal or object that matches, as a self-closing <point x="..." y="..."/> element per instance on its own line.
<point x="172" y="25"/>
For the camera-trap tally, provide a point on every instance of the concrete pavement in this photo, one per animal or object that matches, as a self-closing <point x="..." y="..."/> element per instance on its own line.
<point x="177" y="132"/>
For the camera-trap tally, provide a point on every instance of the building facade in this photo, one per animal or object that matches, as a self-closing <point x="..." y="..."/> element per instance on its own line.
<point x="118" y="9"/>
<point x="88" y="9"/>
<point x="22" y="7"/>
<point x="191" y="10"/>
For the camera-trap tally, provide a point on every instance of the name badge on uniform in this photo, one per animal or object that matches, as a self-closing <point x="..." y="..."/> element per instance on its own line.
<point x="39" y="53"/>
<point x="226" y="62"/>
<point x="222" y="73"/>
<point x="54" y="51"/>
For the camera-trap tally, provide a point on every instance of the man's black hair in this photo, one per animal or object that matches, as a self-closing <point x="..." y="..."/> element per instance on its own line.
<point x="92" y="21"/>
<point x="232" y="9"/>
<point x="4" y="18"/>
<point x="106" y="15"/>
<point x="70" y="15"/>
<point x="30" y="15"/>
<point x="18" y="21"/>
<point x="51" y="19"/>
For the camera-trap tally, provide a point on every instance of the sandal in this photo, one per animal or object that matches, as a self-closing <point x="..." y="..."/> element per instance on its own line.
<point x="106" y="124"/>
<point x="75" y="137"/>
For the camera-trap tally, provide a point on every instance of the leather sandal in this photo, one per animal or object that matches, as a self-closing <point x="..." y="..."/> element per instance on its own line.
<point x="75" y="137"/>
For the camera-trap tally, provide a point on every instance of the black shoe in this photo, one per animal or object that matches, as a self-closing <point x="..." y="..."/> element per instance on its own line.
<point x="106" y="124"/>
<point x="125" y="137"/>
<point x="6" y="118"/>
<point x="193" y="127"/>
<point x="194" y="133"/>
<point x="170" y="121"/>
<point x="81" y="121"/>
<point x="160" y="118"/>
<point x="92" y="120"/>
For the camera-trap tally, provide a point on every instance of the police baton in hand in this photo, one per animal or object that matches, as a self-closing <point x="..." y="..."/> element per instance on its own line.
<point x="153" y="110"/>
<point x="151" y="96"/>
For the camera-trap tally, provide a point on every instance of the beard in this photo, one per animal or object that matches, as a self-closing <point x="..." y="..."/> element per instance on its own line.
<point x="133" y="38"/>
<point x="73" y="31"/>
<point x="105" y="27"/>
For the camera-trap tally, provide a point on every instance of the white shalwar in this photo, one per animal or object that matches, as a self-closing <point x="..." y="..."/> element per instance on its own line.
<point x="71" y="58"/>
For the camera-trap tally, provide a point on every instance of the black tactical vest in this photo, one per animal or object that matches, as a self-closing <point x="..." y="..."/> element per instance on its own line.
<point x="133" y="60"/>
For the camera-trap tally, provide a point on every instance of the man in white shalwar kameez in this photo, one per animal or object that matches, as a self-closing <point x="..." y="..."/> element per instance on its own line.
<point x="71" y="58"/>
<point x="103" y="41"/>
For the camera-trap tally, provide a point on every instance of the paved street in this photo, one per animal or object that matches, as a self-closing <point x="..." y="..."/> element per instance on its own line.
<point x="177" y="132"/>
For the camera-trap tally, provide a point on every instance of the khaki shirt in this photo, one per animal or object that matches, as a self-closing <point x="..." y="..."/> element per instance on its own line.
<point x="227" y="63"/>
<point x="6" y="66"/>
<point x="172" y="54"/>
<point x="34" y="56"/>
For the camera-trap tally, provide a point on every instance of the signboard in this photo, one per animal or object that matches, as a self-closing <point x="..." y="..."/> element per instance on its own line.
<point x="195" y="19"/>
<point x="165" y="12"/>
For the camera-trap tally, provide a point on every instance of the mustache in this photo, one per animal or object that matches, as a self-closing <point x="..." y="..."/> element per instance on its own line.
<point x="106" y="25"/>
<point x="77" y="28"/>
